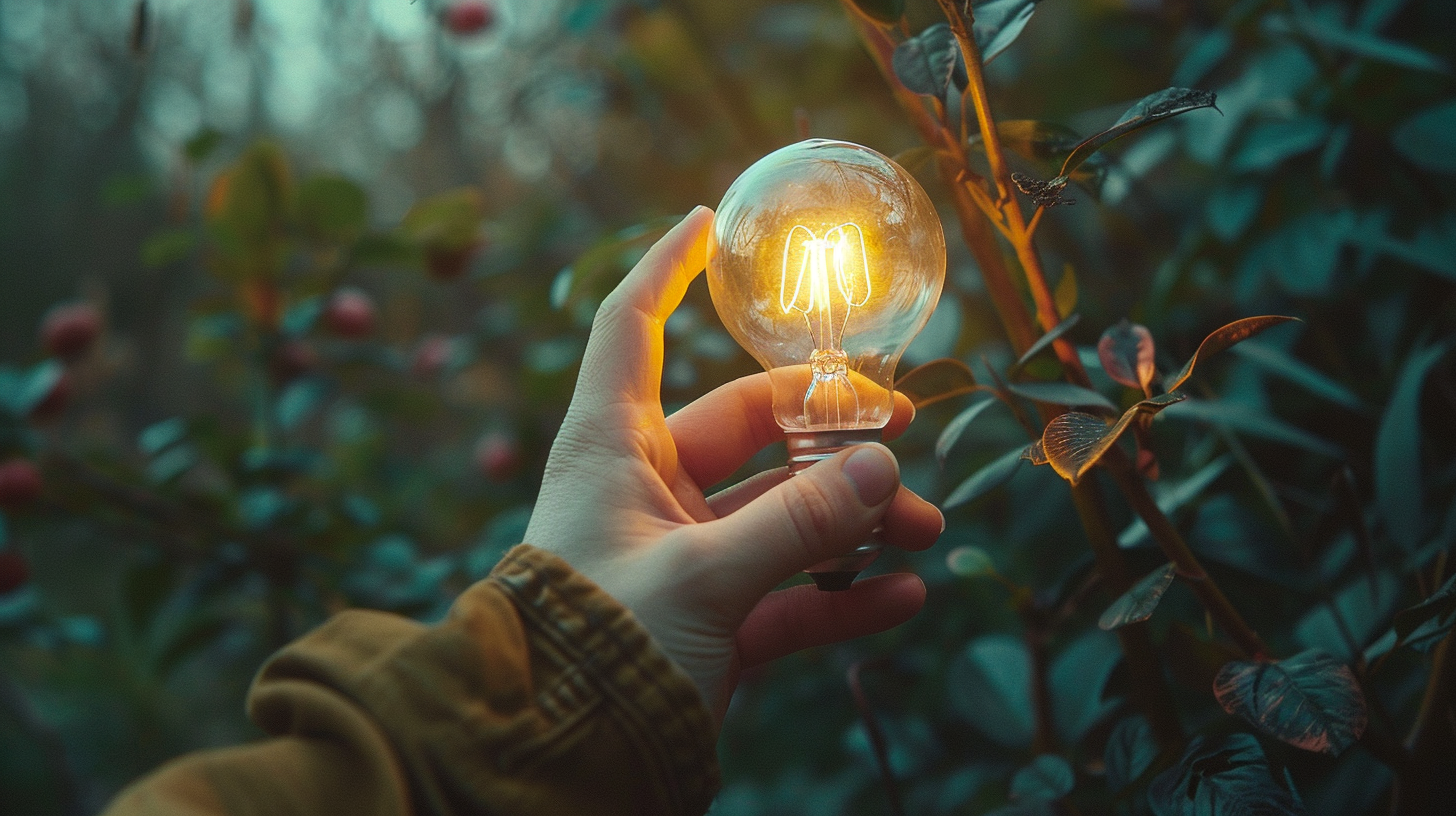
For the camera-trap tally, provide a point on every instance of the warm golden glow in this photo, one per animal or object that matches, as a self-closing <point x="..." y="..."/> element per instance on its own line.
<point x="804" y="286"/>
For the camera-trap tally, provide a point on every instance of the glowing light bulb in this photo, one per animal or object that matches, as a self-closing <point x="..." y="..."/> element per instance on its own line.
<point x="826" y="260"/>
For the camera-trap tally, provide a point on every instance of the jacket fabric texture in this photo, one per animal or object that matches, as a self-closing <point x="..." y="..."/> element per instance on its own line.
<point x="538" y="694"/>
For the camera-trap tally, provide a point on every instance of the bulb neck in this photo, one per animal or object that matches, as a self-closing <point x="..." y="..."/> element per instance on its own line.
<point x="806" y="448"/>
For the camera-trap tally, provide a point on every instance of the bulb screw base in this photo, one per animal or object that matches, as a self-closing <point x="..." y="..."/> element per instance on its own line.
<point x="806" y="448"/>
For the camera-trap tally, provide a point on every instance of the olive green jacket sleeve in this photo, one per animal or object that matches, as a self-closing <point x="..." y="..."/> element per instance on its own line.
<point x="538" y="694"/>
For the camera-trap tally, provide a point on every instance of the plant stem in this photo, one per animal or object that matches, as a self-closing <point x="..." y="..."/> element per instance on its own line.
<point x="1429" y="786"/>
<point x="1177" y="551"/>
<point x="1009" y="210"/>
<point x="1153" y="698"/>
<point x="877" y="738"/>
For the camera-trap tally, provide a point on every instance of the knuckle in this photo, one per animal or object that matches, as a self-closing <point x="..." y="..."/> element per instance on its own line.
<point x="811" y="511"/>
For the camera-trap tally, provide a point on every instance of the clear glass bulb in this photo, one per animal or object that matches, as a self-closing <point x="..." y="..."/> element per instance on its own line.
<point x="826" y="260"/>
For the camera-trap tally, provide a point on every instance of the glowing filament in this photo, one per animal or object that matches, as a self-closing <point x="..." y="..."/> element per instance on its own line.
<point x="810" y="264"/>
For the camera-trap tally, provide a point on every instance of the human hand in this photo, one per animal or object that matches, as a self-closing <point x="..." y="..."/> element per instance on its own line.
<point x="622" y="499"/>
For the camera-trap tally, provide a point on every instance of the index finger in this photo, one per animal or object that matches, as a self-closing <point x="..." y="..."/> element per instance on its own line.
<point x="721" y="430"/>
<point x="623" y="360"/>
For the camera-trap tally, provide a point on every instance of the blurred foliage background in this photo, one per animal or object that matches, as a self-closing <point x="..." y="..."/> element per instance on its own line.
<point x="292" y="294"/>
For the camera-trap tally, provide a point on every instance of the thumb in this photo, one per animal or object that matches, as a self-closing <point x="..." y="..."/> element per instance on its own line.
<point x="821" y="512"/>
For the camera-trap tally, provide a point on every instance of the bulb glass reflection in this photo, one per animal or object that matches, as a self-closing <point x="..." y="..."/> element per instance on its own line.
<point x="826" y="259"/>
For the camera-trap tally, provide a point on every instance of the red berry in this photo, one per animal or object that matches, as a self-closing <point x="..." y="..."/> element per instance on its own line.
<point x="20" y="484"/>
<point x="70" y="329"/>
<point x="291" y="359"/>
<point x="449" y="264"/>
<point x="350" y="313"/>
<point x="470" y="17"/>
<point x="498" y="457"/>
<point x="14" y="572"/>
<point x="55" y="401"/>
<point x="431" y="355"/>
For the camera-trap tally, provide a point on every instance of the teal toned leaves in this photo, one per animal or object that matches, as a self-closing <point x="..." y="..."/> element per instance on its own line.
<point x="930" y="63"/>
<point x="1398" y="485"/>
<point x="1424" y="625"/>
<point x="988" y="478"/>
<point x="937" y="380"/>
<point x="1222" y="776"/>
<point x="1155" y="107"/>
<point x="1074" y="442"/>
<point x="1043" y="342"/>
<point x="968" y="561"/>
<point x="988" y="686"/>
<point x="956" y="427"/>
<point x="1046" y="777"/>
<point x="1231" y="334"/>
<point x="1130" y="751"/>
<point x="1060" y="393"/>
<point x="998" y="23"/>
<point x="1310" y="701"/>
<point x="1126" y="353"/>
<point x="1428" y="139"/>
<point x="1138" y="603"/>
<point x="1310" y="379"/>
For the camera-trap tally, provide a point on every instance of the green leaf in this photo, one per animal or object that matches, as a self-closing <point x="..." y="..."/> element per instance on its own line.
<point x="988" y="478"/>
<point x="449" y="220"/>
<point x="1078" y="680"/>
<point x="1232" y="207"/>
<point x="162" y="434"/>
<point x="1428" y="139"/>
<point x="1310" y="701"/>
<point x="171" y="463"/>
<point x="1060" y="393"/>
<point x="1074" y="442"/>
<point x="167" y="247"/>
<point x="1155" y="107"/>
<point x="21" y="391"/>
<point x="1222" y="338"/>
<point x="888" y="12"/>
<point x="1424" y="625"/>
<point x="300" y="318"/>
<point x="998" y="23"/>
<point x="1255" y="422"/>
<point x="1130" y="751"/>
<point x="1138" y="603"/>
<point x="1043" y="342"/>
<point x="956" y="427"/>
<point x="1222" y="776"/>
<point x="1268" y="144"/>
<point x="300" y="401"/>
<point x="1173" y="495"/>
<point x="989" y="687"/>
<point x="1126" y="353"/>
<point x="1307" y="377"/>
<point x="1398" y="488"/>
<point x="968" y="561"/>
<point x="333" y="209"/>
<point x="587" y="275"/>
<point x="930" y="63"/>
<point x="937" y="380"/>
<point x="1363" y="44"/>
<point x="200" y="146"/>
<point x="1047" y="777"/>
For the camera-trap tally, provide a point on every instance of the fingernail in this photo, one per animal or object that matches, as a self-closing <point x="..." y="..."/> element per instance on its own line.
<point x="873" y="474"/>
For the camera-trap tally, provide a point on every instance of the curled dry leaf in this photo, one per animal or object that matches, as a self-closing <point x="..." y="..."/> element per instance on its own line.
<point x="1074" y="442"/>
<point x="1235" y="332"/>
<point x="1126" y="352"/>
